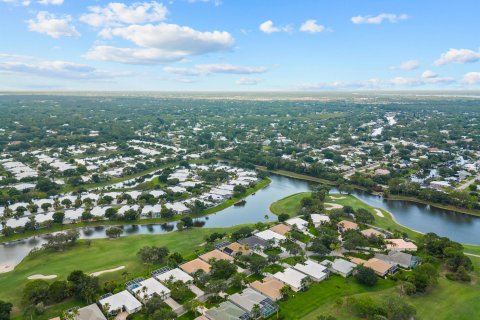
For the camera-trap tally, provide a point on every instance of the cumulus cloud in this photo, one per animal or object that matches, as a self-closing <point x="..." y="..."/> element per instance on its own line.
<point x="160" y="43"/>
<point x="311" y="26"/>
<point x="53" y="2"/>
<point x="471" y="78"/>
<point x="268" y="27"/>
<point x="408" y="65"/>
<point x="117" y="14"/>
<point x="207" y="69"/>
<point x="429" y="74"/>
<point x="247" y="81"/>
<point x="53" y="69"/>
<point x="378" y="19"/>
<point x="52" y="25"/>
<point x="458" y="56"/>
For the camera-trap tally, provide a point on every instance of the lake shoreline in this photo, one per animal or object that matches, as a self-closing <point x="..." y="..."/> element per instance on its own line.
<point x="475" y="213"/>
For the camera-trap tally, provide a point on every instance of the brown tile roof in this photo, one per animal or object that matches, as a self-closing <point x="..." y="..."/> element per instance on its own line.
<point x="216" y="255"/>
<point x="194" y="265"/>
<point x="269" y="287"/>
<point x="281" y="229"/>
<point x="348" y="225"/>
<point x="371" y="232"/>
<point x="380" y="267"/>
<point x="238" y="248"/>
<point x="400" y="244"/>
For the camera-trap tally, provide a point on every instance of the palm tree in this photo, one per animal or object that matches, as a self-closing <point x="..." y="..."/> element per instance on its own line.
<point x="255" y="312"/>
<point x="286" y="291"/>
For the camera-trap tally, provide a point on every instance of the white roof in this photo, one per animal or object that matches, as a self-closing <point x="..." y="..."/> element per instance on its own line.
<point x="152" y="286"/>
<point x="120" y="300"/>
<point x="299" y="223"/>
<point x="341" y="265"/>
<point x="269" y="235"/>
<point x="312" y="268"/>
<point x="42" y="217"/>
<point x="73" y="214"/>
<point x="13" y="223"/>
<point x="176" y="274"/>
<point x="319" y="218"/>
<point x="291" y="277"/>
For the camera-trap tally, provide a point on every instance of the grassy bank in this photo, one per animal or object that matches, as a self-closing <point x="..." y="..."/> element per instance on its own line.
<point x="63" y="227"/>
<point x="102" y="254"/>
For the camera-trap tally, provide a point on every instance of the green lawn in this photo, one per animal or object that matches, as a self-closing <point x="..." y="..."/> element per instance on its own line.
<point x="321" y="297"/>
<point x="289" y="205"/>
<point x="101" y="255"/>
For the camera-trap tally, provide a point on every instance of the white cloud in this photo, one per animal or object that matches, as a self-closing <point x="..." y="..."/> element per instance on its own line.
<point x="53" y="26"/>
<point x="408" y="65"/>
<point x="471" y="78"/>
<point x="133" y="55"/>
<point x="246" y="81"/>
<point x="429" y="74"/>
<point x="117" y="14"/>
<point x="53" y="2"/>
<point x="160" y="43"/>
<point x="206" y="69"/>
<point x="458" y="56"/>
<point x="378" y="19"/>
<point x="24" y="3"/>
<point x="311" y="26"/>
<point x="53" y="69"/>
<point x="268" y="27"/>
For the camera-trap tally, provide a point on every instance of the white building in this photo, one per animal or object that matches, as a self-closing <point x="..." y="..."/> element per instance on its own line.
<point x="122" y="301"/>
<point x="292" y="278"/>
<point x="269" y="235"/>
<point x="319" y="219"/>
<point x="150" y="287"/>
<point x="299" y="223"/>
<point x="314" y="270"/>
<point x="175" y="275"/>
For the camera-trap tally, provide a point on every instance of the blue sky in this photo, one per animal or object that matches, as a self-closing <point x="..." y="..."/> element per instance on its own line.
<point x="239" y="45"/>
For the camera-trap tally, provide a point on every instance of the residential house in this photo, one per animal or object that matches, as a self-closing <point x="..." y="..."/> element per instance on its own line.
<point x="269" y="287"/>
<point x="314" y="270"/>
<point x="248" y="299"/>
<point x="195" y="265"/>
<point x="292" y="278"/>
<point x="120" y="302"/>
<point x="402" y="259"/>
<point x="401" y="245"/>
<point x="339" y="266"/>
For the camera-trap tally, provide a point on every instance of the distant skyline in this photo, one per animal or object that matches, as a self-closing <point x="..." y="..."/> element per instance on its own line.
<point x="239" y="45"/>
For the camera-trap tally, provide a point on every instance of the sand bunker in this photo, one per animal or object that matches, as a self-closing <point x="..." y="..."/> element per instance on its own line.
<point x="96" y="274"/>
<point x="379" y="213"/>
<point x="42" y="277"/>
<point x="6" y="268"/>
<point x="337" y="198"/>
<point x="332" y="206"/>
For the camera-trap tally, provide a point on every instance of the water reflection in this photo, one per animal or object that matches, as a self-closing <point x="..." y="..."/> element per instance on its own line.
<point x="459" y="227"/>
